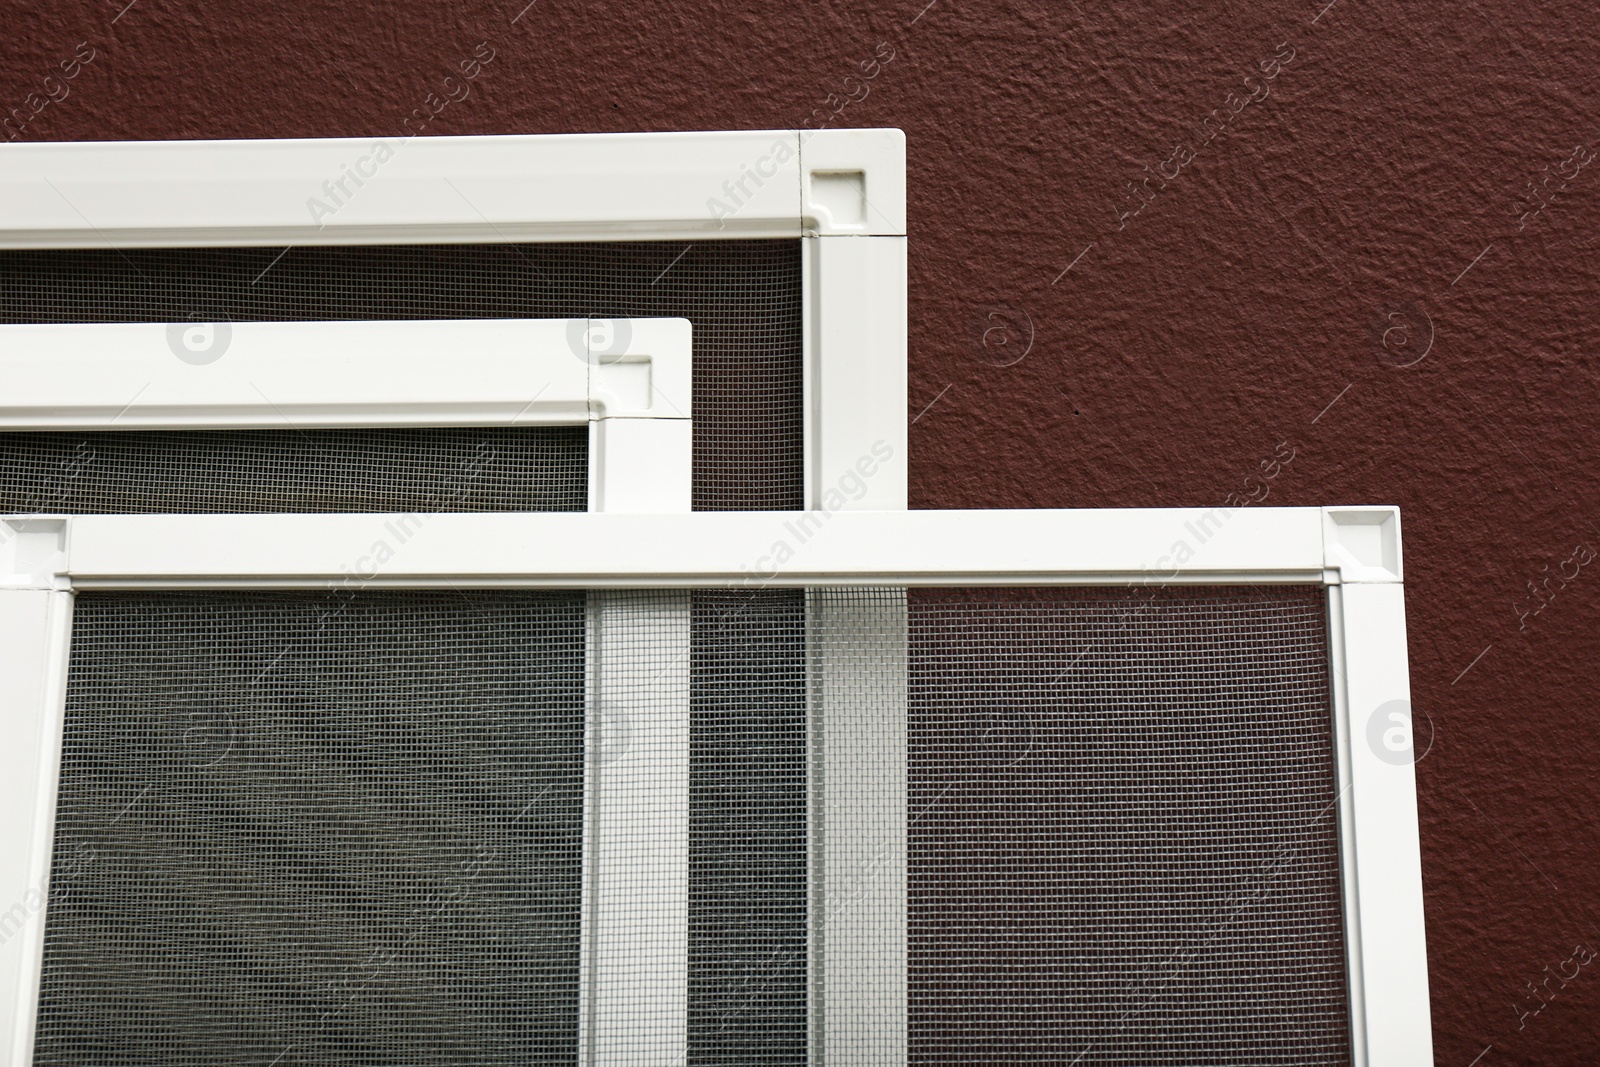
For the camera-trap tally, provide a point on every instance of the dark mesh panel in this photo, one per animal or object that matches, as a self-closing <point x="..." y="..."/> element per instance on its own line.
<point x="747" y="829"/>
<point x="1123" y="844"/>
<point x="742" y="297"/>
<point x="544" y="468"/>
<point x="302" y="829"/>
<point x="1121" y="831"/>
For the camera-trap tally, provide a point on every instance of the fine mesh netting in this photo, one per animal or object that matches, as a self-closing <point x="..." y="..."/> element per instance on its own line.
<point x="742" y="297"/>
<point x="747" y="829"/>
<point x="306" y="828"/>
<point x="1103" y="829"/>
<point x="1123" y="845"/>
<point x="480" y="468"/>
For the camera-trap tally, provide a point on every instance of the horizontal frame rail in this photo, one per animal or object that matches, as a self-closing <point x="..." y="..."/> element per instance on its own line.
<point x="730" y="549"/>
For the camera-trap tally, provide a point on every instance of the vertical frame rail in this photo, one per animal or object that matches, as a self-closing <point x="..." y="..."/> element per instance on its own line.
<point x="1380" y="841"/>
<point x="35" y="635"/>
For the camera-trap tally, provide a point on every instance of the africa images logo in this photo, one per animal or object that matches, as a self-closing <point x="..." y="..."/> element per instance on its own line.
<point x="1390" y="734"/>
<point x="599" y="342"/>
<point x="199" y="343"/>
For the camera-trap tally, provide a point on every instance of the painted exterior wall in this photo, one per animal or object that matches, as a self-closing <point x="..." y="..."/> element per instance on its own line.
<point x="1161" y="255"/>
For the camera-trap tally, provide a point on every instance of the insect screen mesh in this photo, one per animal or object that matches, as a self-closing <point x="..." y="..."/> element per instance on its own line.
<point x="1123" y="845"/>
<point x="743" y="299"/>
<point x="302" y="828"/>
<point x="747" y="829"/>
<point x="481" y="468"/>
<point x="349" y="830"/>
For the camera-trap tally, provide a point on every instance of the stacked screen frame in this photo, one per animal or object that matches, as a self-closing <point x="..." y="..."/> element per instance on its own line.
<point x="843" y="194"/>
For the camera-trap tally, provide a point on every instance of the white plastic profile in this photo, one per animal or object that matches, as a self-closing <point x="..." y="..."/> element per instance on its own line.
<point x="641" y="455"/>
<point x="589" y="187"/>
<point x="1353" y="552"/>
<point x="857" y="427"/>
<point x="631" y="380"/>
<point x="424" y="372"/>
<point x="854" y="182"/>
<point x="843" y="191"/>
<point x="747" y="550"/>
<point x="35" y="628"/>
<point x="1381" y="845"/>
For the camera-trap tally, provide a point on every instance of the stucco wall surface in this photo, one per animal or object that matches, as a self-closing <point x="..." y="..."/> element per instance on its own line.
<point x="1155" y="250"/>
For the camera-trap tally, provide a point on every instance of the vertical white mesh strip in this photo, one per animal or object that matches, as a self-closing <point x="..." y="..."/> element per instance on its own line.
<point x="857" y="647"/>
<point x="636" y="859"/>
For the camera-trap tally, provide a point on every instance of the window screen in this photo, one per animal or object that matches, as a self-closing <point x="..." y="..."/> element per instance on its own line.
<point x="1120" y="836"/>
<point x="1122" y="839"/>
<point x="743" y="299"/>
<point x="303" y="828"/>
<point x="747" y="829"/>
<point x="481" y="468"/>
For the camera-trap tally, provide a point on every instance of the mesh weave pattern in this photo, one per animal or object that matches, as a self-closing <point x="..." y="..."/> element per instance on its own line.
<point x="540" y="468"/>
<point x="742" y="297"/>
<point x="1120" y="842"/>
<point x="1123" y="847"/>
<point x="303" y="829"/>
<point x="747" y="829"/>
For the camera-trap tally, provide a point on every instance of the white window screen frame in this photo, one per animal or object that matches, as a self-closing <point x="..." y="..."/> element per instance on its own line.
<point x="628" y="380"/>
<point x="842" y="193"/>
<point x="1354" y="553"/>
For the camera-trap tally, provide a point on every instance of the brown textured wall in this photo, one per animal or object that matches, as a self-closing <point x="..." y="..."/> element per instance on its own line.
<point x="1371" y="207"/>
